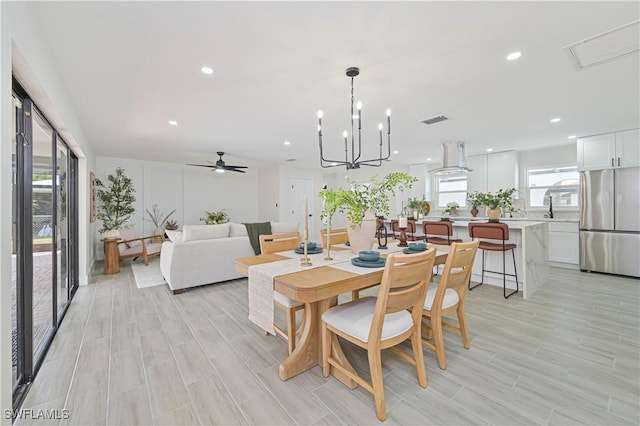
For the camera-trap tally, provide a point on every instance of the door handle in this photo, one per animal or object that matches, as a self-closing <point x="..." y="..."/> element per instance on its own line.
<point x="612" y="163"/>
<point x="618" y="161"/>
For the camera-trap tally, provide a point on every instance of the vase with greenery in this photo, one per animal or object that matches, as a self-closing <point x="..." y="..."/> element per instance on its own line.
<point x="158" y="219"/>
<point x="363" y="202"/>
<point x="476" y="199"/>
<point x="418" y="208"/>
<point x="452" y="208"/>
<point x="215" y="218"/>
<point x="115" y="205"/>
<point x="499" y="202"/>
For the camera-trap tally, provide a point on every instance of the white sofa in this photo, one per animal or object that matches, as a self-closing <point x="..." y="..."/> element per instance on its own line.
<point x="205" y="254"/>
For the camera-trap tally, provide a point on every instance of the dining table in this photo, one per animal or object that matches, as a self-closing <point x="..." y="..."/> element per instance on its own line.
<point x="318" y="288"/>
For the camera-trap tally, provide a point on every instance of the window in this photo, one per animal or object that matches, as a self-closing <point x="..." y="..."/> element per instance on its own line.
<point x="561" y="183"/>
<point x="451" y="188"/>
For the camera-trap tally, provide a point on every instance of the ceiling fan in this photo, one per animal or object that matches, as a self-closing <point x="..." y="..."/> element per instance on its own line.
<point x="221" y="166"/>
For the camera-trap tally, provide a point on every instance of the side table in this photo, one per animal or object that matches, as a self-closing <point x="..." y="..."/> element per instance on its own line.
<point x="111" y="256"/>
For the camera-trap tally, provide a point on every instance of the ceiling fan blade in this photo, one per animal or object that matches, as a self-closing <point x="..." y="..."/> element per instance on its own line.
<point x="236" y="170"/>
<point x="237" y="167"/>
<point x="202" y="165"/>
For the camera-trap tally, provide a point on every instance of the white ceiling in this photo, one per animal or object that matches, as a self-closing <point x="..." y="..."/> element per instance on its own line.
<point x="130" y="67"/>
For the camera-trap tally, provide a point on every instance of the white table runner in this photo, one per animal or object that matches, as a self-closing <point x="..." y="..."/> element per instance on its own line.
<point x="260" y="286"/>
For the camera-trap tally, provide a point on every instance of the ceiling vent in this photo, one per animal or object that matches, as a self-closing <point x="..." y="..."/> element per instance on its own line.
<point x="606" y="46"/>
<point x="433" y="120"/>
<point x="454" y="160"/>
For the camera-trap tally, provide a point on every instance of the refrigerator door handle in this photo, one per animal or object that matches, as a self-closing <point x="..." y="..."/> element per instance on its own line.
<point x="618" y="161"/>
<point x="612" y="163"/>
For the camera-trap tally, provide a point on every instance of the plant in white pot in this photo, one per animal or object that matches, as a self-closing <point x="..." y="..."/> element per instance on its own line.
<point x="115" y="203"/>
<point x="362" y="203"/>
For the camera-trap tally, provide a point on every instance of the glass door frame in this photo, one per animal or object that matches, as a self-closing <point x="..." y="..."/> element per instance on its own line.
<point x="28" y="362"/>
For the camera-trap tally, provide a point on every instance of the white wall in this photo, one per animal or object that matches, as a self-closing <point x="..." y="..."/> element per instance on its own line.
<point x="189" y="190"/>
<point x="268" y="194"/>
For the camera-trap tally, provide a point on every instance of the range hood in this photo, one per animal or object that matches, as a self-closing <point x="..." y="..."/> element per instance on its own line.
<point x="453" y="159"/>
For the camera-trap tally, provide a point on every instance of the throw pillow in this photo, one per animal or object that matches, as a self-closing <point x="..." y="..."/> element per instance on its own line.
<point x="237" y="230"/>
<point x="284" y="227"/>
<point x="204" y="232"/>
<point x="174" y="236"/>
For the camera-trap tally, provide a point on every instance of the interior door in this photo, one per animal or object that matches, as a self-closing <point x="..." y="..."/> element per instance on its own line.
<point x="301" y="187"/>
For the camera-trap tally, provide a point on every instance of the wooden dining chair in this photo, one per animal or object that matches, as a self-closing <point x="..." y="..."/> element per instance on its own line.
<point x="383" y="322"/>
<point x="336" y="236"/>
<point x="448" y="296"/>
<point x="273" y="243"/>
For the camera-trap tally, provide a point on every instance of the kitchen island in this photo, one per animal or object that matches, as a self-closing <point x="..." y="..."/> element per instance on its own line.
<point x="531" y="238"/>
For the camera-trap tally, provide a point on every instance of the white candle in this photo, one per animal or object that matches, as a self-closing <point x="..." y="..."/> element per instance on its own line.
<point x="305" y="213"/>
<point x="402" y="222"/>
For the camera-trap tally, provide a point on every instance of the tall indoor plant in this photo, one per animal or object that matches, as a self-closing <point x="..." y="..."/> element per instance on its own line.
<point x="362" y="203"/>
<point x="116" y="202"/>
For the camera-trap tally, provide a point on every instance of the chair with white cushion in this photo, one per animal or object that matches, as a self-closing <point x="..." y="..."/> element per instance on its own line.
<point x="131" y="245"/>
<point x="448" y="296"/>
<point x="274" y="243"/>
<point x="383" y="322"/>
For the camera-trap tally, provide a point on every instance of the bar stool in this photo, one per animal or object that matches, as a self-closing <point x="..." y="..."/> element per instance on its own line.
<point x="500" y="232"/>
<point x="443" y="228"/>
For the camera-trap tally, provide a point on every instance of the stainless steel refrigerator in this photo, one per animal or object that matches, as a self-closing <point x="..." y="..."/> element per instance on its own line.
<point x="610" y="221"/>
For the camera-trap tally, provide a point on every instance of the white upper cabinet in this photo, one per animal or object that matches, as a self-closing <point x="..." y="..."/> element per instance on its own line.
<point x="609" y="151"/>
<point x="502" y="171"/>
<point x="477" y="177"/>
<point x="628" y="148"/>
<point x="492" y="172"/>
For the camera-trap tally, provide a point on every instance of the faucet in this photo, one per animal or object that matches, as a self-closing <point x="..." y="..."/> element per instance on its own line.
<point x="550" y="207"/>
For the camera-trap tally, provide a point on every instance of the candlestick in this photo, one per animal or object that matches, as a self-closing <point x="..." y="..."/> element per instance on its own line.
<point x="402" y="222"/>
<point x="305" y="261"/>
<point x="328" y="241"/>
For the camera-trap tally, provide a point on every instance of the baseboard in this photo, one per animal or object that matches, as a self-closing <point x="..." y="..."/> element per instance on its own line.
<point x="563" y="265"/>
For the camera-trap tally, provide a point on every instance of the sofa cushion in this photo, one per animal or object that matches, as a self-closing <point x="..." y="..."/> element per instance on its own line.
<point x="204" y="232"/>
<point x="237" y="230"/>
<point x="284" y="227"/>
<point x="174" y="236"/>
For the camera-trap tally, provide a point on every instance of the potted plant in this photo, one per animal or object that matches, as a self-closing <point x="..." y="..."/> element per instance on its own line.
<point x="156" y="217"/>
<point x="115" y="203"/>
<point x="476" y="199"/>
<point x="215" y="218"/>
<point x="496" y="203"/>
<point x="362" y="203"/>
<point x="452" y="208"/>
<point x="415" y="206"/>
<point x="171" y="225"/>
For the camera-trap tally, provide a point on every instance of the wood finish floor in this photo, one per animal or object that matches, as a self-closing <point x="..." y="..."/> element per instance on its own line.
<point x="569" y="355"/>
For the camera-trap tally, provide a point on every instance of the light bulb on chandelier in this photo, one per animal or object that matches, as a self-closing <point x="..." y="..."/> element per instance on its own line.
<point x="355" y="162"/>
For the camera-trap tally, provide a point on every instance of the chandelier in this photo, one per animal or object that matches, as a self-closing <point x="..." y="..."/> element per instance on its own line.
<point x="355" y="162"/>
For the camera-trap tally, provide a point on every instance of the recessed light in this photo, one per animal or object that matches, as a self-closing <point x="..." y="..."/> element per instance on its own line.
<point x="173" y="123"/>
<point x="572" y="137"/>
<point x="513" y="56"/>
<point x="555" y="120"/>
<point x="207" y="70"/>
<point x="429" y="159"/>
<point x="396" y="152"/>
<point x="489" y="149"/>
<point x="287" y="143"/>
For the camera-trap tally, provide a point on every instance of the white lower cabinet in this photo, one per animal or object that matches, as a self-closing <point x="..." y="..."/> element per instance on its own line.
<point x="564" y="245"/>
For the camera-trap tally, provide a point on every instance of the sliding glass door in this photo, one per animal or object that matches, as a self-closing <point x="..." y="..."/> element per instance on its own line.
<point x="44" y="236"/>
